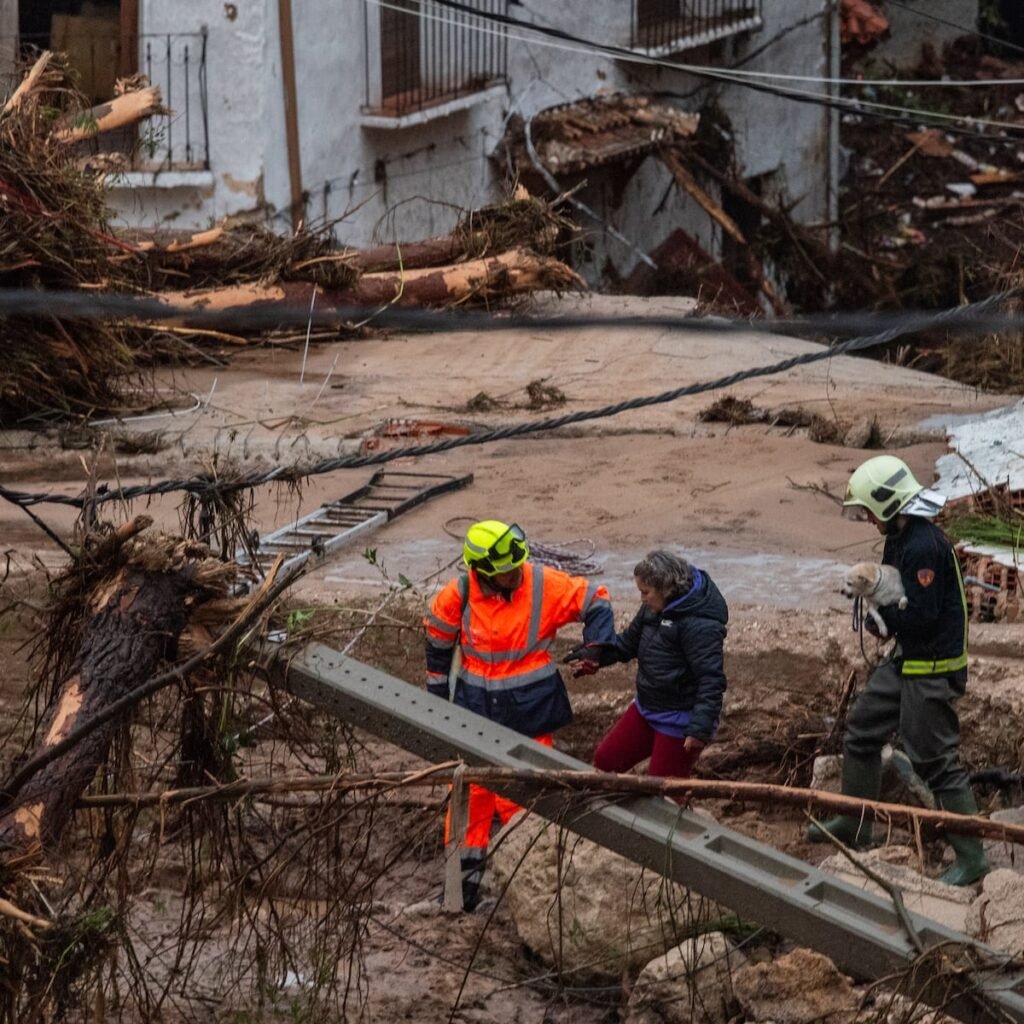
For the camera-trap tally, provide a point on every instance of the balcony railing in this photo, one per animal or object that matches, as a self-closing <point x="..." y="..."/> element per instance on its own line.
<point x="421" y="54"/>
<point x="661" y="27"/>
<point x="178" y="140"/>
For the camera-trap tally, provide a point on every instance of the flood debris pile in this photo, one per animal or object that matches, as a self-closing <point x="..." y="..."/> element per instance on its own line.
<point x="131" y="879"/>
<point x="938" y="208"/>
<point x="56" y="233"/>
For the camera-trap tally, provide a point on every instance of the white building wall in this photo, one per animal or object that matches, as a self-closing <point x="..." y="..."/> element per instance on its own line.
<point x="242" y="70"/>
<point x="411" y="182"/>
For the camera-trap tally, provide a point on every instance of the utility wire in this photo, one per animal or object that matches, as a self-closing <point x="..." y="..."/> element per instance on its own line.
<point x="204" y="485"/>
<point x="266" y="316"/>
<point x="731" y="76"/>
<point x="624" y="53"/>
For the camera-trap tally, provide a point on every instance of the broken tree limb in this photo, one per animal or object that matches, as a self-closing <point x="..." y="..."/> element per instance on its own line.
<point x="28" y="83"/>
<point x="120" y="112"/>
<point x="8" y="909"/>
<point x="510" y="273"/>
<point x="585" y="782"/>
<point x="199" y="240"/>
<point x="686" y="181"/>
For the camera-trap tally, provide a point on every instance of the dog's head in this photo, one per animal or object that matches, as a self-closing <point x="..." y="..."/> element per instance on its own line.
<point x="861" y="579"/>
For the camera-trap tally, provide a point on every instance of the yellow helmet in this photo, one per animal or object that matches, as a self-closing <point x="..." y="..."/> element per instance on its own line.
<point x="492" y="547"/>
<point x="883" y="485"/>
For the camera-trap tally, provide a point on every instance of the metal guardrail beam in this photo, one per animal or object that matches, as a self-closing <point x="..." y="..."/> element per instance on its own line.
<point x="860" y="932"/>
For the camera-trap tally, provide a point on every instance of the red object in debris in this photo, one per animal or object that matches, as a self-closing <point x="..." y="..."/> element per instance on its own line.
<point x="394" y="428"/>
<point x="861" y="22"/>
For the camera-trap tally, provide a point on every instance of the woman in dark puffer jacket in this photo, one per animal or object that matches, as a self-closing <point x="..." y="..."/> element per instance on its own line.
<point x="677" y="638"/>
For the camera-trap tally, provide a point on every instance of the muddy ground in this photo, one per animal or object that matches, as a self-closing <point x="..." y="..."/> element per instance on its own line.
<point x="748" y="503"/>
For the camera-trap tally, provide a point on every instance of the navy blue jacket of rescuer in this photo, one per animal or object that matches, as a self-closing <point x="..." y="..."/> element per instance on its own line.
<point x="680" y="658"/>
<point x="932" y="629"/>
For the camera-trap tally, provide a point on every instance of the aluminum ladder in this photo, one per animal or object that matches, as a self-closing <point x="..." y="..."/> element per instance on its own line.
<point x="861" y="932"/>
<point x="387" y="495"/>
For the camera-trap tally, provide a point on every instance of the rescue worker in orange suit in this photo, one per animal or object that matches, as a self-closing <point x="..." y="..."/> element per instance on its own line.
<point x="503" y="613"/>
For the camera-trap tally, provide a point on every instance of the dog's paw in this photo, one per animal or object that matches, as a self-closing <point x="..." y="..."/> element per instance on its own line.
<point x="902" y="603"/>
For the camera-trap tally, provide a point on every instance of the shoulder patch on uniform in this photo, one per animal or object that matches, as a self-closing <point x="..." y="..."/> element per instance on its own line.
<point x="926" y="577"/>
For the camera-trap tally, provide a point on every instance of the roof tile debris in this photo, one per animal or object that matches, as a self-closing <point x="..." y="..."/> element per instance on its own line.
<point x="599" y="130"/>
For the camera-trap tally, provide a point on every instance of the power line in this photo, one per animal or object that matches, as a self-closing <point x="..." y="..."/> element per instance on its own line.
<point x="200" y="486"/>
<point x="710" y="69"/>
<point x="731" y="76"/>
<point x="76" y="305"/>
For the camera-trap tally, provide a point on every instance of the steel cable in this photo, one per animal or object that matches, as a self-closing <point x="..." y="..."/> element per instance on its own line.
<point x="201" y="485"/>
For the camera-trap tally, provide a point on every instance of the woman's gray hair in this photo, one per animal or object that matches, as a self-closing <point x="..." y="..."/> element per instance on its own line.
<point x="667" y="573"/>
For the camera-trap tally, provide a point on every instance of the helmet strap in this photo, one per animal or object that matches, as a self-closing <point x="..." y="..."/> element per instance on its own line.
<point x="893" y="526"/>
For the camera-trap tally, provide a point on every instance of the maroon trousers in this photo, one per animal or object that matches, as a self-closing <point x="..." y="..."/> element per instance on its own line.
<point x="631" y="740"/>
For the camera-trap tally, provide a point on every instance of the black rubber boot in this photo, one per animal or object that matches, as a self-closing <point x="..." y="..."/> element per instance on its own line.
<point x="862" y="777"/>
<point x="971" y="863"/>
<point x="472" y="863"/>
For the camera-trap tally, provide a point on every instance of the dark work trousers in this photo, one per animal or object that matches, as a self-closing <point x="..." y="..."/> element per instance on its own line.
<point x="921" y="709"/>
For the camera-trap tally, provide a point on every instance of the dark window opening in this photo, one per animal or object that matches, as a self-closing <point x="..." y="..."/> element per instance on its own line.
<point x="430" y="53"/>
<point x="98" y="37"/>
<point x="675" y="25"/>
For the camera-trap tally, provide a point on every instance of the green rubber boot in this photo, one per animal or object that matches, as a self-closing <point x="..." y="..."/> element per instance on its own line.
<point x="862" y="777"/>
<point x="971" y="864"/>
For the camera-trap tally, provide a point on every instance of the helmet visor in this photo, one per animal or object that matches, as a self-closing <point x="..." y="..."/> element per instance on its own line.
<point x="506" y="553"/>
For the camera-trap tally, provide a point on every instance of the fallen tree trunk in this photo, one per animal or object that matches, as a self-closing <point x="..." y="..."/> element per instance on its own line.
<point x="510" y="273"/>
<point x="128" y="109"/>
<point x="28" y="83"/>
<point x="429" y="252"/>
<point x="134" y="624"/>
<point x="141" y="594"/>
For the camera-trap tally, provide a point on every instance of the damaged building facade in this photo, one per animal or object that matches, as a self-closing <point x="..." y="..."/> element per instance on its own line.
<point x="394" y="113"/>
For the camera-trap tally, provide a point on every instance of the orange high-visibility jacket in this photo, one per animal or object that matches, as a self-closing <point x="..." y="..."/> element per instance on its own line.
<point x="507" y="673"/>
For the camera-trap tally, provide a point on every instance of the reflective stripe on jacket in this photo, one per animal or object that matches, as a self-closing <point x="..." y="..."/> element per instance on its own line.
<point x="507" y="673"/>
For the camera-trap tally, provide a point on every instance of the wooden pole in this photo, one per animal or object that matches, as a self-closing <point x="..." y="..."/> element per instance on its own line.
<point x="128" y="62"/>
<point x="291" y="109"/>
<point x="458" y="820"/>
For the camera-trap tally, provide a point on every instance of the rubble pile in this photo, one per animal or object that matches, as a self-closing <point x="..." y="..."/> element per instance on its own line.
<point x="935" y="210"/>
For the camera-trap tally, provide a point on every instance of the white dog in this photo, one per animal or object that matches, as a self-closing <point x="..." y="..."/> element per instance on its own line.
<point x="878" y="586"/>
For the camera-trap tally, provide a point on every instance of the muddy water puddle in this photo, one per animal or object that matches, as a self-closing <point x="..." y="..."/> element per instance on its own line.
<point x="778" y="580"/>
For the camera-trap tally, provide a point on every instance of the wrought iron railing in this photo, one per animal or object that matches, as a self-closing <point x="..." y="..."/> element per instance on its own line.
<point x="670" y="26"/>
<point x="177" y="62"/>
<point x="420" y="53"/>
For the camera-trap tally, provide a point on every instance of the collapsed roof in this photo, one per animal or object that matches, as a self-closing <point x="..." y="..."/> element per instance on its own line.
<point x="575" y="137"/>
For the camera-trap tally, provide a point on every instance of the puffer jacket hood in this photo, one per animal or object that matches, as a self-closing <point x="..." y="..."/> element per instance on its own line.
<point x="703" y="599"/>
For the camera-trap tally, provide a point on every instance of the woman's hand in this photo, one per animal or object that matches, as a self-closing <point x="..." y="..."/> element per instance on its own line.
<point x="692" y="745"/>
